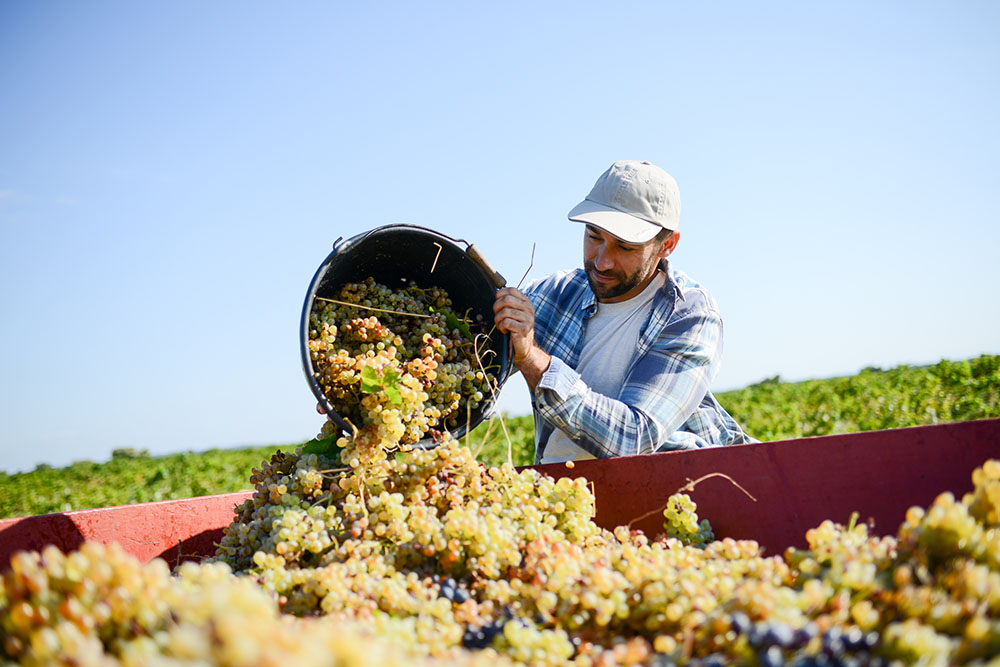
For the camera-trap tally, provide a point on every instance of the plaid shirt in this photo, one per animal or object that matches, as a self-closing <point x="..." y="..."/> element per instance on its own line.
<point x="665" y="402"/>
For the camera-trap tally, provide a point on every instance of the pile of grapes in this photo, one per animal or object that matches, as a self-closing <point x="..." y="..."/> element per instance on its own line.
<point x="377" y="552"/>
<point x="429" y="556"/>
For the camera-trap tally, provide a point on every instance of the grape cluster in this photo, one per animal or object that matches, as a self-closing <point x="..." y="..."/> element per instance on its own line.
<point x="397" y="363"/>
<point x="426" y="554"/>
<point x="100" y="607"/>
<point x="681" y="521"/>
<point x="512" y="560"/>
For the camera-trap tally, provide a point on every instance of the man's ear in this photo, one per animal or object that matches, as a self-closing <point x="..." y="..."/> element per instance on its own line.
<point x="670" y="244"/>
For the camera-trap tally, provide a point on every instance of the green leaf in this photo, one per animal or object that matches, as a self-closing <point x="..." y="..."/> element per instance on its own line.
<point x="393" y="394"/>
<point x="388" y="382"/>
<point x="454" y="323"/>
<point x="326" y="446"/>
<point x="370" y="381"/>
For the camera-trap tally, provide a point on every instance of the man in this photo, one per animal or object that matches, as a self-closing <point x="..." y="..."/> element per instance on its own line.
<point x="619" y="356"/>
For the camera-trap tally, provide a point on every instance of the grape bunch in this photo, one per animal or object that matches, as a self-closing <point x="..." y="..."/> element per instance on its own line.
<point x="681" y="521"/>
<point x="399" y="364"/>
<point x="511" y="561"/>
<point x="99" y="606"/>
<point x="428" y="555"/>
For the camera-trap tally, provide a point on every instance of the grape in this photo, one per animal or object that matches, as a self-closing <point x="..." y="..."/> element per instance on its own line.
<point x="397" y="364"/>
<point x="426" y="555"/>
<point x="682" y="521"/>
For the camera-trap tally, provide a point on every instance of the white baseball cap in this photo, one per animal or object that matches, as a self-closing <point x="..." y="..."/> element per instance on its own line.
<point x="632" y="200"/>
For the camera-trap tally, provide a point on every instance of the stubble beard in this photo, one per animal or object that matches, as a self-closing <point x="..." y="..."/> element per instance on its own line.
<point x="624" y="282"/>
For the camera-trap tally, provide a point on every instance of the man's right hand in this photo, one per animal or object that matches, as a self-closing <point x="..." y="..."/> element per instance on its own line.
<point x="515" y="316"/>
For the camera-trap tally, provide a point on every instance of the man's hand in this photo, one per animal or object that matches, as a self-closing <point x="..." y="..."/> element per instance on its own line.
<point x="514" y="315"/>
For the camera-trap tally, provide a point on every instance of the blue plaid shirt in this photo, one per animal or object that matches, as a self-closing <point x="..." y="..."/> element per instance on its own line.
<point x="665" y="402"/>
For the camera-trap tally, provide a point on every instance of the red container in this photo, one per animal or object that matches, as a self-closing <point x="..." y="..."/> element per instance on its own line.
<point x="174" y="530"/>
<point x="797" y="484"/>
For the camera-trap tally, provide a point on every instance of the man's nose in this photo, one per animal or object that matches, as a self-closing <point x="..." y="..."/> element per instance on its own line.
<point x="603" y="261"/>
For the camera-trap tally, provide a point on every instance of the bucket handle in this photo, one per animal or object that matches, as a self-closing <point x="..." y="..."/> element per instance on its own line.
<point x="473" y="252"/>
<point x="470" y="249"/>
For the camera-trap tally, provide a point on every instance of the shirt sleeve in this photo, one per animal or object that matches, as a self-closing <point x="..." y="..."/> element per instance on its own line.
<point x="662" y="390"/>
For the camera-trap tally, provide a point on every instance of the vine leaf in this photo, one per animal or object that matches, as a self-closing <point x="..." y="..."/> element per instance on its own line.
<point x="370" y="381"/>
<point x="388" y="383"/>
<point x="451" y="319"/>
<point x="454" y="323"/>
<point x="391" y="387"/>
<point x="326" y="446"/>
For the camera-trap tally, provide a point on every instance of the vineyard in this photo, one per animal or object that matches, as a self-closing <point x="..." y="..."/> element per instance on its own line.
<point x="948" y="391"/>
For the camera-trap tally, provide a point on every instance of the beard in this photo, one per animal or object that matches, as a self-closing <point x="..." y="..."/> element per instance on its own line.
<point x="623" y="282"/>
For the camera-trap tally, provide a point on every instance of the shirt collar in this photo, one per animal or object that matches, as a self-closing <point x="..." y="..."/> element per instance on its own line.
<point x="670" y="284"/>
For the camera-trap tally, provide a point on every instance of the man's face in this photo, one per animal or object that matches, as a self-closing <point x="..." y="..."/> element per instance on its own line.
<point x="618" y="271"/>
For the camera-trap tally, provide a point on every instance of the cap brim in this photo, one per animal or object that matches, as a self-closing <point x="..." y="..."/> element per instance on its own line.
<point x="626" y="227"/>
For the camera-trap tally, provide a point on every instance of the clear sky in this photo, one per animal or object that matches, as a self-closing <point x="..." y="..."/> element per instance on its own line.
<point x="172" y="174"/>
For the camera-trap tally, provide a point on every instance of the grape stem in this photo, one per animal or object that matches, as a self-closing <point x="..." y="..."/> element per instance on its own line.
<point x="530" y="264"/>
<point x="486" y="436"/>
<point x="688" y="488"/>
<point x="181" y="554"/>
<point x="361" y="493"/>
<point x="493" y="392"/>
<point x="380" y="310"/>
<point x="468" y="423"/>
<point x="435" y="263"/>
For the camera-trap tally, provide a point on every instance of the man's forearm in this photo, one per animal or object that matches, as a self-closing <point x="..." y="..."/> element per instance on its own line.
<point x="638" y="422"/>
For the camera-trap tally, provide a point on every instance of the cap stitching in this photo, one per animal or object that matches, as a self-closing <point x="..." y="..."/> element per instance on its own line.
<point x="627" y="174"/>
<point x="662" y="202"/>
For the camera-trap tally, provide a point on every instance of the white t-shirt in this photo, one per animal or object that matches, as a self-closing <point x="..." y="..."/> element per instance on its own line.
<point x="609" y="342"/>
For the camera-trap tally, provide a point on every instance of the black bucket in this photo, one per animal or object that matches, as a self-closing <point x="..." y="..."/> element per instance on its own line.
<point x="394" y="255"/>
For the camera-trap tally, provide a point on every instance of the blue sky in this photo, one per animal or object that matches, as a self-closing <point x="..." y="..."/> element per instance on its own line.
<point x="172" y="174"/>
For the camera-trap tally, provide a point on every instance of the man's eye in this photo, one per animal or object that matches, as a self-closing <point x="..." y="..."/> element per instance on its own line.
<point x="625" y="248"/>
